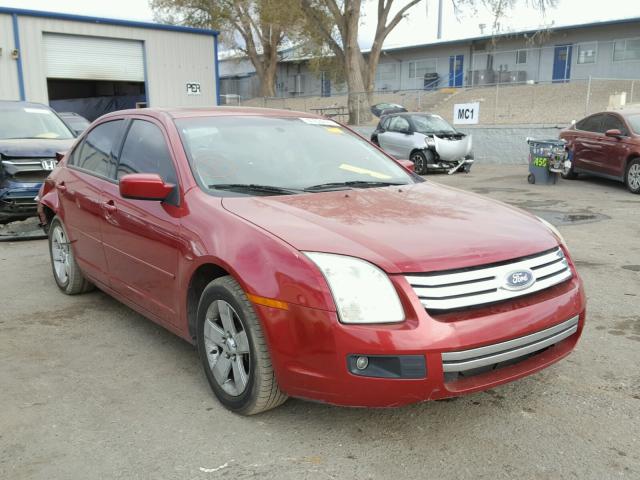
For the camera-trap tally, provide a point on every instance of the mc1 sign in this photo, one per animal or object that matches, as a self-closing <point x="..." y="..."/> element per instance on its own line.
<point x="466" y="113"/>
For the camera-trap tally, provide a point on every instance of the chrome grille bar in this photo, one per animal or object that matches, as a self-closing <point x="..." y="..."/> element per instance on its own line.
<point x="477" y="286"/>
<point x="464" y="360"/>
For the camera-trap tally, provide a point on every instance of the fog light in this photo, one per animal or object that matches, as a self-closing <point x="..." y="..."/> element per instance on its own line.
<point x="362" y="363"/>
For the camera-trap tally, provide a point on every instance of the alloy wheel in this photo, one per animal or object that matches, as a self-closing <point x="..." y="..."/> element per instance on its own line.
<point x="227" y="348"/>
<point x="60" y="253"/>
<point x="418" y="163"/>
<point x="634" y="176"/>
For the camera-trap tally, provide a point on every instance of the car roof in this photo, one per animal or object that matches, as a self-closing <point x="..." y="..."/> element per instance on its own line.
<point x="184" y="112"/>
<point x="6" y="104"/>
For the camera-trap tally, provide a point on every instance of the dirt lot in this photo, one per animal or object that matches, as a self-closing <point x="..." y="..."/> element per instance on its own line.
<point x="89" y="389"/>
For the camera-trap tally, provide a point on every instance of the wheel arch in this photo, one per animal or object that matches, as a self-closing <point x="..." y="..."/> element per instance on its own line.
<point x="200" y="278"/>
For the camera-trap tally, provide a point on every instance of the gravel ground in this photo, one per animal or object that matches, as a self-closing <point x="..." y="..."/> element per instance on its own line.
<point x="90" y="389"/>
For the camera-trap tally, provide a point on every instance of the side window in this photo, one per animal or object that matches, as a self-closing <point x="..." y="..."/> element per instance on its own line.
<point x="145" y="151"/>
<point x="591" y="124"/>
<point x="399" y="124"/>
<point x="610" y="122"/>
<point x="95" y="154"/>
<point x="385" y="123"/>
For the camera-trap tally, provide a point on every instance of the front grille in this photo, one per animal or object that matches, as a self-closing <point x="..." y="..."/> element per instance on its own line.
<point x="451" y="290"/>
<point x="512" y="350"/>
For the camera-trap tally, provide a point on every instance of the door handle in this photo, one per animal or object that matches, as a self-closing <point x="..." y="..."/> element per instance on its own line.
<point x="109" y="207"/>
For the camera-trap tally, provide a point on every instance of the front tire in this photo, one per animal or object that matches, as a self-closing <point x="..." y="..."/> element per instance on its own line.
<point x="421" y="160"/>
<point x="233" y="350"/>
<point x="632" y="176"/>
<point x="66" y="271"/>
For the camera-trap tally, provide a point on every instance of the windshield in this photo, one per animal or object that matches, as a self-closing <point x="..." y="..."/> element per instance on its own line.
<point x="431" y="124"/>
<point x="31" y="122"/>
<point x="634" y="122"/>
<point x="287" y="153"/>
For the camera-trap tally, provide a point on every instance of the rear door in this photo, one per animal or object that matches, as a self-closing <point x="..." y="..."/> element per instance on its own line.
<point x="89" y="170"/>
<point x="140" y="237"/>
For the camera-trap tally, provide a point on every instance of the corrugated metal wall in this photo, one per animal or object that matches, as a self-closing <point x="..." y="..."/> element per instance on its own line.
<point x="172" y="59"/>
<point x="94" y="58"/>
<point x="9" y="89"/>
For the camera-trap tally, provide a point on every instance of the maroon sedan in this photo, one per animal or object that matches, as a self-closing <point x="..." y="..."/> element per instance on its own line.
<point x="303" y="261"/>
<point x="607" y="145"/>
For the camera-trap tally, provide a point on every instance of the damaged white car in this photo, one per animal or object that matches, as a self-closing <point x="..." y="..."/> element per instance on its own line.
<point x="425" y="139"/>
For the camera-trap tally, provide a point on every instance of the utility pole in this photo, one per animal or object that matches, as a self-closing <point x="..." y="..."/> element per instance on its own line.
<point x="439" y="19"/>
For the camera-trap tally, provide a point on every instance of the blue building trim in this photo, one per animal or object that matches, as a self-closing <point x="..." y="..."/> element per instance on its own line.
<point x="217" y="67"/>
<point x="16" y="41"/>
<point x="106" y="21"/>
<point x="146" y="80"/>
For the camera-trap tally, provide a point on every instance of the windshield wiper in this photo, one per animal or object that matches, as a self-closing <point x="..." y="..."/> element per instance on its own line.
<point x="254" y="187"/>
<point x="350" y="184"/>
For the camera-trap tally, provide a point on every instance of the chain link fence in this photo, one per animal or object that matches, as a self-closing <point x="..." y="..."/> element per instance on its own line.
<point x="500" y="104"/>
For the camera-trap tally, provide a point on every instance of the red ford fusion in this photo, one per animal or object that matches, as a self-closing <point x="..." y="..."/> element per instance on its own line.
<point x="303" y="261"/>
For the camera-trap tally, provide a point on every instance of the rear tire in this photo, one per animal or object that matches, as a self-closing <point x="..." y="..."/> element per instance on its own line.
<point x="531" y="179"/>
<point x="66" y="271"/>
<point x="233" y="350"/>
<point x="632" y="176"/>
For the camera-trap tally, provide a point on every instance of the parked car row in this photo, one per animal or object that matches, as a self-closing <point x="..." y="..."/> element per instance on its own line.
<point x="322" y="269"/>
<point x="31" y="136"/>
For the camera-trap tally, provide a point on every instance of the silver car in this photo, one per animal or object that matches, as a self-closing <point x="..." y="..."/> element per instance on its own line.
<point x="427" y="140"/>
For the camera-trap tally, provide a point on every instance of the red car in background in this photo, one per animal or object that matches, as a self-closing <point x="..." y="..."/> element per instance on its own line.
<point x="606" y="144"/>
<point x="303" y="261"/>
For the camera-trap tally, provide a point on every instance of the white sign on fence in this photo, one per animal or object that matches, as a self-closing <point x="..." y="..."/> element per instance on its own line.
<point x="466" y="113"/>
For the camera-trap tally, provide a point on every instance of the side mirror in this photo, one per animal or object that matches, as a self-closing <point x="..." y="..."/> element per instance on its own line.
<point x="408" y="164"/>
<point x="614" y="132"/>
<point x="145" y="186"/>
<point x="406" y="132"/>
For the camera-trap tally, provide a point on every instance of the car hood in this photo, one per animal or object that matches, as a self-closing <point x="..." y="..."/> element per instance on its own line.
<point x="415" y="228"/>
<point x="32" y="147"/>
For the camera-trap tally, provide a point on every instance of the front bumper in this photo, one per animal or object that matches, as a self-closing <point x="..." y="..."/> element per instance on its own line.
<point x="312" y="352"/>
<point x="17" y="200"/>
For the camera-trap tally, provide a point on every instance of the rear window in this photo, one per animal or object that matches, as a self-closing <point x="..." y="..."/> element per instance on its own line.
<point x="96" y="153"/>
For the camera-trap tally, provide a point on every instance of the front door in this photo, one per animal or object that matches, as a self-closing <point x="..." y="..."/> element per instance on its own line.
<point x="456" y="70"/>
<point x="397" y="140"/>
<point x="140" y="237"/>
<point x="614" y="150"/>
<point x="562" y="63"/>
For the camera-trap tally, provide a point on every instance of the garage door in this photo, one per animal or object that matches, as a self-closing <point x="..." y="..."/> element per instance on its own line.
<point x="93" y="58"/>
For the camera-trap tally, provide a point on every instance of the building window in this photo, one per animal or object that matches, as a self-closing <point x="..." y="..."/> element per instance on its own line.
<point x="521" y="57"/>
<point x="386" y="75"/>
<point x="628" y="49"/>
<point x="418" y="68"/>
<point x="587" y="53"/>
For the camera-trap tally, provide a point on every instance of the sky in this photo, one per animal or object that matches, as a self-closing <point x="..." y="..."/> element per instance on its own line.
<point x="420" y="26"/>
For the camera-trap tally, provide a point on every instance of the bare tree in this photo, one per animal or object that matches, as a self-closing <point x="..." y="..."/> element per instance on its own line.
<point x="257" y="28"/>
<point x="336" y="24"/>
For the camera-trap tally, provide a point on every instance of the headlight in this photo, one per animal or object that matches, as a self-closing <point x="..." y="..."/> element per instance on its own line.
<point x="554" y="230"/>
<point x="363" y="293"/>
<point x="430" y="141"/>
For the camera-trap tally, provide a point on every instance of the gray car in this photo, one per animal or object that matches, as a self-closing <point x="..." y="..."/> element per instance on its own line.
<point x="427" y="140"/>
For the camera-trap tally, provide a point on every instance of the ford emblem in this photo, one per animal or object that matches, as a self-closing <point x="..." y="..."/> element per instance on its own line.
<point x="519" y="279"/>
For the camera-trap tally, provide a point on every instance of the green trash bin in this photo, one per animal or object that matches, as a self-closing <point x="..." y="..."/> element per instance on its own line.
<point x="546" y="160"/>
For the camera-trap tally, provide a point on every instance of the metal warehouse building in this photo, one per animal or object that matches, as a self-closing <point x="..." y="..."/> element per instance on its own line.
<point x="95" y="65"/>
